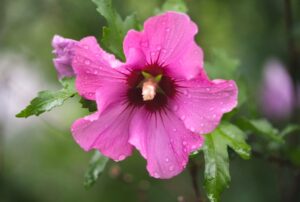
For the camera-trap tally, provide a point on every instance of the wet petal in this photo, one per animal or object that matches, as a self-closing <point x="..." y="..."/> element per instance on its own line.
<point x="93" y="66"/>
<point x="200" y="103"/>
<point x="163" y="141"/>
<point x="168" y="40"/>
<point x="108" y="132"/>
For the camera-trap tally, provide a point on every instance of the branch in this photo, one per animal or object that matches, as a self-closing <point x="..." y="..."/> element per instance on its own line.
<point x="275" y="159"/>
<point x="194" y="168"/>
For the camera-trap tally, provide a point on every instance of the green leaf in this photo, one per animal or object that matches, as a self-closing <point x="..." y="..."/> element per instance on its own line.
<point x="289" y="129"/>
<point x="96" y="167"/>
<point x="261" y="127"/>
<point x="173" y="5"/>
<point x="216" y="174"/>
<point x="88" y="104"/>
<point x="47" y="100"/>
<point x="117" y="28"/>
<point x="235" y="139"/>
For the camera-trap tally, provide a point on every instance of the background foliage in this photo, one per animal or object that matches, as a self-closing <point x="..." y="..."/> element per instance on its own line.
<point x="40" y="161"/>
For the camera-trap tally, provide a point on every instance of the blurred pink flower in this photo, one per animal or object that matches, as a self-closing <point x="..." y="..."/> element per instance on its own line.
<point x="160" y="101"/>
<point x="277" y="91"/>
<point x="63" y="50"/>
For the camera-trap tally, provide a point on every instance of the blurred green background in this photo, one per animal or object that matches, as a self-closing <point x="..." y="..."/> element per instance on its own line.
<point x="39" y="161"/>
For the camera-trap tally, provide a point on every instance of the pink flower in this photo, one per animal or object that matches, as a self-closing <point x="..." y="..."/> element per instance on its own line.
<point x="277" y="91"/>
<point x="63" y="50"/>
<point x="160" y="101"/>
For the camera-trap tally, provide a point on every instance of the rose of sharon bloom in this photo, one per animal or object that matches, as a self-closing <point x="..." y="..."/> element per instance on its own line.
<point x="63" y="50"/>
<point x="159" y="101"/>
<point x="277" y="91"/>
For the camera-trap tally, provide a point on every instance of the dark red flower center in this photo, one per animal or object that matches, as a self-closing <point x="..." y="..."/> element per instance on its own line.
<point x="165" y="87"/>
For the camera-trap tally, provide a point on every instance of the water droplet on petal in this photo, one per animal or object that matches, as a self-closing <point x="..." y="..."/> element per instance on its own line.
<point x="175" y="108"/>
<point x="167" y="160"/>
<point x="156" y="175"/>
<point x="121" y="157"/>
<point x="87" y="62"/>
<point x="174" y="129"/>
<point x="192" y="129"/>
<point x="185" y="92"/>
<point x="184" y="143"/>
<point x="168" y="29"/>
<point x="171" y="168"/>
<point x="207" y="89"/>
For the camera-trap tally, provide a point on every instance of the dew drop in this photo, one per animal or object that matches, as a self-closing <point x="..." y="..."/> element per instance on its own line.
<point x="184" y="143"/>
<point x="168" y="29"/>
<point x="156" y="175"/>
<point x="174" y="129"/>
<point x="121" y="157"/>
<point x="175" y="108"/>
<point x="87" y="62"/>
<point x="185" y="92"/>
<point x="167" y="160"/>
<point x="207" y="89"/>
<point x="171" y="168"/>
<point x="192" y="129"/>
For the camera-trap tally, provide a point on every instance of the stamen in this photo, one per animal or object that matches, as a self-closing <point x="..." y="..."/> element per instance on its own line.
<point x="149" y="89"/>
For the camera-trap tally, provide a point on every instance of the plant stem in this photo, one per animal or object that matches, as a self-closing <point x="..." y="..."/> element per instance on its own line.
<point x="275" y="159"/>
<point x="194" y="168"/>
<point x="292" y="51"/>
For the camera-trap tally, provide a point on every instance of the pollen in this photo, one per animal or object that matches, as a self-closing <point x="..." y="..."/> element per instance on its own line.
<point x="149" y="89"/>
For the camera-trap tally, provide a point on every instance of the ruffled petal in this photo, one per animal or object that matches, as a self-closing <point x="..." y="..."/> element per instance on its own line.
<point x="168" y="40"/>
<point x="93" y="66"/>
<point x="107" y="131"/>
<point x="163" y="141"/>
<point x="200" y="103"/>
<point x="63" y="49"/>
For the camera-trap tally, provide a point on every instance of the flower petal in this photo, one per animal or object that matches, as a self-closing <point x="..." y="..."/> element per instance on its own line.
<point x="168" y="39"/>
<point x="164" y="141"/>
<point x="92" y="66"/>
<point x="200" y="103"/>
<point x="108" y="132"/>
<point x="63" y="50"/>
